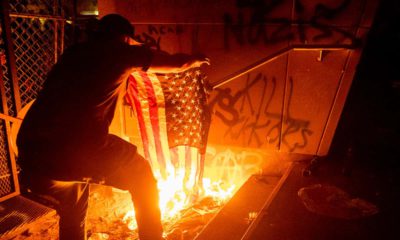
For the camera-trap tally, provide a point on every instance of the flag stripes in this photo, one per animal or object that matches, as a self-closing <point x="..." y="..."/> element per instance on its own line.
<point x="172" y="122"/>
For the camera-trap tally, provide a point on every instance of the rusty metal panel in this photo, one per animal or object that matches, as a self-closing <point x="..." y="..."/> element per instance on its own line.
<point x="340" y="98"/>
<point x="310" y="90"/>
<point x="248" y="112"/>
<point x="234" y="218"/>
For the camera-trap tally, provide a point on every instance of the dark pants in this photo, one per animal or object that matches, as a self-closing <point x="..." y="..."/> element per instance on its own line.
<point x="71" y="195"/>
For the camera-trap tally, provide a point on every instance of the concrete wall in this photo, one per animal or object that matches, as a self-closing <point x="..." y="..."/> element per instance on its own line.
<point x="289" y="105"/>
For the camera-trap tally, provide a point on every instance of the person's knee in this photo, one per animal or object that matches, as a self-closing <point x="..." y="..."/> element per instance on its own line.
<point x="142" y="167"/>
<point x="136" y="174"/>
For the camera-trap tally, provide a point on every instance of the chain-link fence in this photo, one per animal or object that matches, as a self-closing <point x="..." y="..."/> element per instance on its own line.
<point x="35" y="53"/>
<point x="36" y="30"/>
<point x="36" y="35"/>
<point x="37" y="7"/>
<point x="6" y="77"/>
<point x="6" y="182"/>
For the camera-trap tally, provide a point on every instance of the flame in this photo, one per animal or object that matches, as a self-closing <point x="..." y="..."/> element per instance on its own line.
<point x="187" y="201"/>
<point x="129" y="219"/>
<point x="180" y="190"/>
<point x="175" y="197"/>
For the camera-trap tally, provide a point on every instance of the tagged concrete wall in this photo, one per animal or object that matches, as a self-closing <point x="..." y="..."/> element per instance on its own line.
<point x="291" y="104"/>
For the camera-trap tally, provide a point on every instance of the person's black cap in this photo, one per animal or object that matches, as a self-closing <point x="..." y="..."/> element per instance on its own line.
<point x="113" y="25"/>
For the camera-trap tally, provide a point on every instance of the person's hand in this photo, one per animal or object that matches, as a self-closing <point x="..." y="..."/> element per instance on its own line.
<point x="133" y="42"/>
<point x="200" y="60"/>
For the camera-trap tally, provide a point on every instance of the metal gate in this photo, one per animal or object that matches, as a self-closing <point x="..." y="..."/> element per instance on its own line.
<point x="31" y="40"/>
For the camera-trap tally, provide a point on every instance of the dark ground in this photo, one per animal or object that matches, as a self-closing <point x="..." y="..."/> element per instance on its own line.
<point x="288" y="219"/>
<point x="365" y="155"/>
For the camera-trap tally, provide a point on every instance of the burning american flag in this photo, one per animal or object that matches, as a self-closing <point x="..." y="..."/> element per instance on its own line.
<point x="173" y="121"/>
<point x="168" y="119"/>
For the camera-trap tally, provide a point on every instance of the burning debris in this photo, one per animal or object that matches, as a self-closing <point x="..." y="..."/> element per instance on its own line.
<point x="192" y="219"/>
<point x="111" y="216"/>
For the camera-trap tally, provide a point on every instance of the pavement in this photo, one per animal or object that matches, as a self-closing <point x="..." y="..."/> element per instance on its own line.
<point x="288" y="218"/>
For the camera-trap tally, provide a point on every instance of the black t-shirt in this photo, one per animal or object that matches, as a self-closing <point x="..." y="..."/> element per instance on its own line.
<point x="78" y="99"/>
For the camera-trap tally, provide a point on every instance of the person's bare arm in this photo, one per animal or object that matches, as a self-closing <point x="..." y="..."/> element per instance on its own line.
<point x="166" y="63"/>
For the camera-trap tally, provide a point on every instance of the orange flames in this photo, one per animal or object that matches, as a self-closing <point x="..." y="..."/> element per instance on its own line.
<point x="180" y="190"/>
<point x="187" y="202"/>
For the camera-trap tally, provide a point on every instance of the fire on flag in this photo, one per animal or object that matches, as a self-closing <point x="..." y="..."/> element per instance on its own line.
<point x="173" y="121"/>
